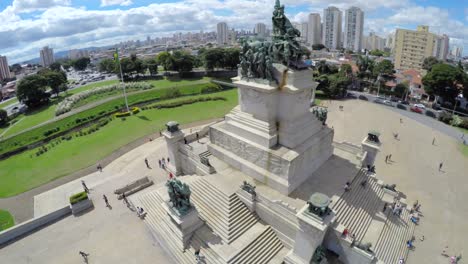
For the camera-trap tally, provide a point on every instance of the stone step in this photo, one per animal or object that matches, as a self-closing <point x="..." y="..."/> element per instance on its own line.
<point x="267" y="252"/>
<point x="216" y="201"/>
<point x="253" y="249"/>
<point x="208" y="253"/>
<point x="204" y="187"/>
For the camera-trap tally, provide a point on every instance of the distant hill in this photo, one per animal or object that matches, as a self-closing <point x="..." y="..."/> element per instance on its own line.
<point x="63" y="54"/>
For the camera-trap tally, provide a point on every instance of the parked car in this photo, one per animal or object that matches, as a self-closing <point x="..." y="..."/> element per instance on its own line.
<point x="403" y="102"/>
<point x="421" y="106"/>
<point x="379" y="101"/>
<point x="416" y="109"/>
<point x="387" y="102"/>
<point x="351" y="95"/>
<point x="362" y="97"/>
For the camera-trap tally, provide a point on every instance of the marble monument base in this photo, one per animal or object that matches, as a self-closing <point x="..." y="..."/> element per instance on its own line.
<point x="279" y="167"/>
<point x="182" y="226"/>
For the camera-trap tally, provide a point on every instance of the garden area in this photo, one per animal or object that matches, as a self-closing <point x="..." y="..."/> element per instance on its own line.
<point x="6" y="220"/>
<point x="73" y="151"/>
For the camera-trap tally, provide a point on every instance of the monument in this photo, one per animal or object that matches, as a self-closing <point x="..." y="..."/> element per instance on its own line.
<point x="272" y="135"/>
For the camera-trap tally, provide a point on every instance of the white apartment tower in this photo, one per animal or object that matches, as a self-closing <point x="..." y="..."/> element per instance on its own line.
<point x="260" y="30"/>
<point x="4" y="69"/>
<point x="354" y="27"/>
<point x="441" y="48"/>
<point x="47" y="56"/>
<point x="314" y="29"/>
<point x="303" y="28"/>
<point x="222" y="34"/>
<point x="332" y="20"/>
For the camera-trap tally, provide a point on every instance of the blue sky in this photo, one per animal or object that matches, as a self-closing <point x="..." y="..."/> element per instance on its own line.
<point x="27" y="25"/>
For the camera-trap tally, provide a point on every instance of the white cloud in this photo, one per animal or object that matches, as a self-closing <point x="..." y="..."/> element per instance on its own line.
<point x="26" y="6"/>
<point x="116" y="2"/>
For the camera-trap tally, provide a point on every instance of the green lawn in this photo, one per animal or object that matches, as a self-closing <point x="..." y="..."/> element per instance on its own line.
<point x="32" y="118"/>
<point x="6" y="220"/>
<point x="12" y="101"/>
<point x="464" y="149"/>
<point x="23" y="172"/>
<point x="92" y="85"/>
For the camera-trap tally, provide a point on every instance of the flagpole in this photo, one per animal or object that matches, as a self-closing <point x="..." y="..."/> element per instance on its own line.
<point x="122" y="81"/>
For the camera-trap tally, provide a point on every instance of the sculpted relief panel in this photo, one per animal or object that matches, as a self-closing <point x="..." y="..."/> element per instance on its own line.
<point x="261" y="158"/>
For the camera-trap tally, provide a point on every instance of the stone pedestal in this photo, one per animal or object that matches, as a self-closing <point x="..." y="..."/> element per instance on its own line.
<point x="372" y="148"/>
<point x="272" y="135"/>
<point x="173" y="138"/>
<point x="309" y="236"/>
<point x="183" y="226"/>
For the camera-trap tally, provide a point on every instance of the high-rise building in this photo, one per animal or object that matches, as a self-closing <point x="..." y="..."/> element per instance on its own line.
<point x="314" y="29"/>
<point x="47" y="56"/>
<point x="222" y="33"/>
<point x="302" y="27"/>
<point x="390" y="42"/>
<point x="441" y="47"/>
<point x="332" y="20"/>
<point x="260" y="30"/>
<point x="354" y="28"/>
<point x="232" y="37"/>
<point x="4" y="69"/>
<point x="413" y="46"/>
<point x="456" y="52"/>
<point x="373" y="42"/>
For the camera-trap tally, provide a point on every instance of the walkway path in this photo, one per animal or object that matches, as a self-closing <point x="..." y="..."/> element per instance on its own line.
<point x="22" y="205"/>
<point x="6" y="130"/>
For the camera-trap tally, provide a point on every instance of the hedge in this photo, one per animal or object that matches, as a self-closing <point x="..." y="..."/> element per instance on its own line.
<point x="184" y="102"/>
<point x="76" y="198"/>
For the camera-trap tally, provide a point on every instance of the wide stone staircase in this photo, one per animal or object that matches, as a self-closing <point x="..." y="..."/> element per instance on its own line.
<point x="224" y="213"/>
<point x="356" y="208"/>
<point x="391" y="244"/>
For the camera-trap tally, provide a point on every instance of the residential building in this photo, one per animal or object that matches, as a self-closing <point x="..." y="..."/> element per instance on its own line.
<point x="373" y="42"/>
<point x="456" y="52"/>
<point x="390" y="42"/>
<point x="332" y="20"/>
<point x="314" y="29"/>
<point x="354" y="28"/>
<point x="441" y="47"/>
<point x="4" y="69"/>
<point x="222" y="34"/>
<point x="260" y="30"/>
<point x="76" y="54"/>
<point x="47" y="56"/>
<point x="413" y="46"/>
<point x="232" y="37"/>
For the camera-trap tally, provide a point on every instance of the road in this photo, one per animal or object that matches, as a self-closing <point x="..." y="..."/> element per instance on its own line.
<point x="423" y="119"/>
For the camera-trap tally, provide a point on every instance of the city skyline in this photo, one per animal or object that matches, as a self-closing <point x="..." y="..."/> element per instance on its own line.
<point x="32" y="24"/>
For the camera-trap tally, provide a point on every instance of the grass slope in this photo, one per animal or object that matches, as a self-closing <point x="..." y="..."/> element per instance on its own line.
<point x="21" y="172"/>
<point x="6" y="220"/>
<point x="10" y="102"/>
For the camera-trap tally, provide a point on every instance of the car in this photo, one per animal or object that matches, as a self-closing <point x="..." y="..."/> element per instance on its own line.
<point x="420" y="106"/>
<point x="416" y="109"/>
<point x="387" y="102"/>
<point x="379" y="101"/>
<point x="403" y="102"/>
<point x="362" y="97"/>
<point x="351" y="95"/>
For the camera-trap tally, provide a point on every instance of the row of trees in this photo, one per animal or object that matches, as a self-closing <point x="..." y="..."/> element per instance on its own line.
<point x="130" y="66"/>
<point x="445" y="80"/>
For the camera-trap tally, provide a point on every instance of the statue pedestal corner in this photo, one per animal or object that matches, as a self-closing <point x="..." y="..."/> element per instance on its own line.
<point x="187" y="224"/>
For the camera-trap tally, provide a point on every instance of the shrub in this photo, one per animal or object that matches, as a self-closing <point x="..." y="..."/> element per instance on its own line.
<point x="51" y="131"/>
<point x="400" y="106"/>
<point x="464" y="123"/>
<point x="76" y="198"/>
<point x="67" y="104"/>
<point x="135" y="110"/>
<point x="211" y="88"/>
<point x="122" y="114"/>
<point x="431" y="114"/>
<point x="171" y="93"/>
<point x="456" y="121"/>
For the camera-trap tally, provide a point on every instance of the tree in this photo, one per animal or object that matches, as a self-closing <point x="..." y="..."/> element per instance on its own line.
<point x="442" y="80"/>
<point x="81" y="63"/>
<point x="31" y="90"/>
<point x="3" y="117"/>
<point x="333" y="85"/>
<point x="231" y="58"/>
<point x="213" y="58"/>
<point x="401" y="89"/>
<point x="384" y="68"/>
<point x="128" y="67"/>
<point x="106" y="65"/>
<point x="318" y="47"/>
<point x="346" y="70"/>
<point x="164" y="59"/>
<point x="63" y="87"/>
<point x="376" y="52"/>
<point x="152" y="66"/>
<point x="366" y="66"/>
<point x="429" y="62"/>
<point x="16" y="68"/>
<point x="55" y="80"/>
<point x="56" y="66"/>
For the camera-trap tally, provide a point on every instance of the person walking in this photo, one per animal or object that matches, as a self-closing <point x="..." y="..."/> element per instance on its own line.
<point x="99" y="167"/>
<point x="84" y="255"/>
<point x="386" y="159"/>
<point x="390" y="157"/>
<point x="124" y="198"/>
<point x="86" y="189"/>
<point x="147" y="163"/>
<point x="159" y="161"/>
<point x="105" y="200"/>
<point x="168" y="160"/>
<point x="433" y="141"/>
<point x="385" y="207"/>
<point x="197" y="255"/>
<point x="440" y="166"/>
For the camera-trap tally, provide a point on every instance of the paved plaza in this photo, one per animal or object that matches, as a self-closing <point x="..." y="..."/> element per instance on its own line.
<point x="414" y="169"/>
<point x="118" y="236"/>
